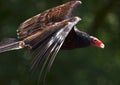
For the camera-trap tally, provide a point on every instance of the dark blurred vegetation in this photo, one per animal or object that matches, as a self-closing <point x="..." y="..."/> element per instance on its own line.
<point x="87" y="66"/>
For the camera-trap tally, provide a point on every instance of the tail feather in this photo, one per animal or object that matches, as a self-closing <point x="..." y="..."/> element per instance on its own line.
<point x="10" y="44"/>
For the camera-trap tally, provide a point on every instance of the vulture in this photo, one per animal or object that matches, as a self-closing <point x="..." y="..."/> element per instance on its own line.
<point x="48" y="32"/>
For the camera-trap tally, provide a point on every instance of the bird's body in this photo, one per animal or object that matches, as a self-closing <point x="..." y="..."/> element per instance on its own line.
<point x="74" y="38"/>
<point x="48" y="32"/>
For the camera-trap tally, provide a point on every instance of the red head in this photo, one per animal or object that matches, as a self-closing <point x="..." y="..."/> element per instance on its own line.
<point x="96" y="42"/>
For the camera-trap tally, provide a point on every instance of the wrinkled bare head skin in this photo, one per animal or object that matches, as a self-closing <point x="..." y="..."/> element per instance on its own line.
<point x="96" y="42"/>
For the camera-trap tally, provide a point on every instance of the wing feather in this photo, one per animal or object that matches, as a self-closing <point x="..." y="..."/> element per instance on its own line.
<point x="47" y="18"/>
<point x="46" y="52"/>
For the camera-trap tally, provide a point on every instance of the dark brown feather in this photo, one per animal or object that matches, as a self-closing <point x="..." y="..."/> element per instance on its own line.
<point x="76" y="39"/>
<point x="40" y="36"/>
<point x="46" y="18"/>
<point x="70" y="41"/>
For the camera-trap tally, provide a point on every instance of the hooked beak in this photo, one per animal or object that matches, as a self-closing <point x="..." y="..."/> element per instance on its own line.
<point x="96" y="42"/>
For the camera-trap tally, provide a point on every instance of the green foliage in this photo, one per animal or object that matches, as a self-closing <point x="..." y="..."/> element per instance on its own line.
<point x="88" y="66"/>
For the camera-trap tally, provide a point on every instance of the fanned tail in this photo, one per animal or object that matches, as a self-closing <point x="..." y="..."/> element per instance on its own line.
<point x="10" y="44"/>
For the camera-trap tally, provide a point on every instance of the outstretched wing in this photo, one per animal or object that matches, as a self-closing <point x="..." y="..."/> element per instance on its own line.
<point x="46" y="18"/>
<point x="44" y="54"/>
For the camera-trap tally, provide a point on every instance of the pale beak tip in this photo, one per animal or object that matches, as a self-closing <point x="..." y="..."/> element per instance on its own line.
<point x="102" y="45"/>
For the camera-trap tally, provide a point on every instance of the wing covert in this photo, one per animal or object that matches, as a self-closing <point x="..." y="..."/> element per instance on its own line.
<point x="46" y="18"/>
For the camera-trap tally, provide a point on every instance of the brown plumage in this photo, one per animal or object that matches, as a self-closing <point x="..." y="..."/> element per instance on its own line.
<point x="46" y="18"/>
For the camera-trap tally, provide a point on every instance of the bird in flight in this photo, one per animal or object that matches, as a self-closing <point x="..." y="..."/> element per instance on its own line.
<point x="48" y="32"/>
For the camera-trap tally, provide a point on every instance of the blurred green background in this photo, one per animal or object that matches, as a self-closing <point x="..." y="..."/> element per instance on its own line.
<point x="86" y="66"/>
